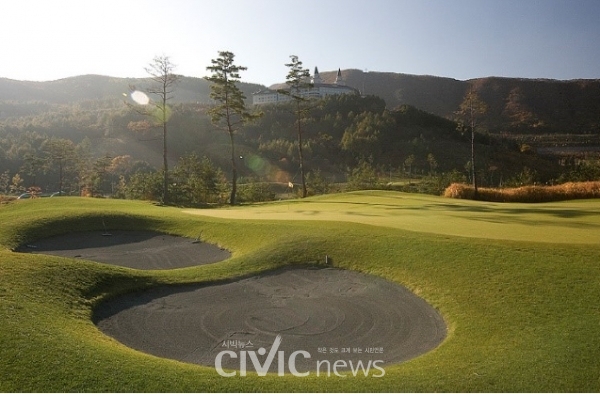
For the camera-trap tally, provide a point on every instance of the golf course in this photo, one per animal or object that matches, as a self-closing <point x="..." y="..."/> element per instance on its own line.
<point x="517" y="287"/>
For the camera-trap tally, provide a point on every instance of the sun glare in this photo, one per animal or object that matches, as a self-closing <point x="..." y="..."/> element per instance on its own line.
<point x="140" y="97"/>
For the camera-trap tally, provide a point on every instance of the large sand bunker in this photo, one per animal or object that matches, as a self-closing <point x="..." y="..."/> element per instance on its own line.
<point x="327" y="313"/>
<point x="134" y="249"/>
<point x="331" y="314"/>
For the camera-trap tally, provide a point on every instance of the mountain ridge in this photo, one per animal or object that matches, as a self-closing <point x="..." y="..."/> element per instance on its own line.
<point x="101" y="87"/>
<point x="516" y="105"/>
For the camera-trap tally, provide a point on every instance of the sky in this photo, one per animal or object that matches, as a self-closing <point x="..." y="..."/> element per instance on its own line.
<point x="46" y="40"/>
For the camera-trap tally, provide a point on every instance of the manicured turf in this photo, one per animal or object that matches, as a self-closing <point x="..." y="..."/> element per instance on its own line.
<point x="518" y="286"/>
<point x="560" y="222"/>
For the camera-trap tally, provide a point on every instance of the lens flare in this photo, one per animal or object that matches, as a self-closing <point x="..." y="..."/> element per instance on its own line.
<point x="259" y="165"/>
<point x="140" y="97"/>
<point x="263" y="168"/>
<point x="161" y="116"/>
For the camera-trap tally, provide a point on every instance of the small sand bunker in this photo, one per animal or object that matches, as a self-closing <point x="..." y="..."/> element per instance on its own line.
<point x="143" y="250"/>
<point x="332" y="314"/>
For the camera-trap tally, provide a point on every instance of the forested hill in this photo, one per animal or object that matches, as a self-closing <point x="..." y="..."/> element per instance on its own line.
<point x="515" y="105"/>
<point x="532" y="106"/>
<point x="86" y="117"/>
<point x="99" y="87"/>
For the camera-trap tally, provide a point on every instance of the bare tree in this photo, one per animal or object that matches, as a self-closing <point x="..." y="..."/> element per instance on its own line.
<point x="163" y="80"/>
<point x="470" y="112"/>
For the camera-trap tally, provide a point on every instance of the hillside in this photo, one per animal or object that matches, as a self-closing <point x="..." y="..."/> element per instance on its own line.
<point x="99" y="87"/>
<point x="516" y="105"/>
<point x="416" y="135"/>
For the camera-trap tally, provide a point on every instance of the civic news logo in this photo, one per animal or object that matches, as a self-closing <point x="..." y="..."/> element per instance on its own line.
<point x="250" y="360"/>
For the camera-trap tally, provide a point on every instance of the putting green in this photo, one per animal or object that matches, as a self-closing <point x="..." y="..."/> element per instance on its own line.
<point x="574" y="222"/>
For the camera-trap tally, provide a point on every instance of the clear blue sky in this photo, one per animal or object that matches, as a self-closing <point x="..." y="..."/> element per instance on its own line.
<point x="461" y="39"/>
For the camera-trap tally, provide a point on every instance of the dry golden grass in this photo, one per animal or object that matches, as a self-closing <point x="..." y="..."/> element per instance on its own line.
<point x="565" y="191"/>
<point x="6" y="199"/>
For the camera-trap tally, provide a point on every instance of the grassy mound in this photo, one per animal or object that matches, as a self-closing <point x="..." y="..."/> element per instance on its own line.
<point x="523" y="315"/>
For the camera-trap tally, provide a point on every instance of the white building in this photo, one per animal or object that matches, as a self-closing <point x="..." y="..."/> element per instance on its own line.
<point x="317" y="90"/>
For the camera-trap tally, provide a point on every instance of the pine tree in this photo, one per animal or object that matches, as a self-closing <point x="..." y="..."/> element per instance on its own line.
<point x="229" y="113"/>
<point x="298" y="81"/>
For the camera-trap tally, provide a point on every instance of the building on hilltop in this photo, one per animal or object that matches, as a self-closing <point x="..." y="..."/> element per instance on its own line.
<point x="318" y="90"/>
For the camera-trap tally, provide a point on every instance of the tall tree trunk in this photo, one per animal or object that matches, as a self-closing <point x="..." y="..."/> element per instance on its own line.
<point x="233" y="171"/>
<point x="473" y="173"/>
<point x="165" y="164"/>
<point x="60" y="177"/>
<point x="300" y="153"/>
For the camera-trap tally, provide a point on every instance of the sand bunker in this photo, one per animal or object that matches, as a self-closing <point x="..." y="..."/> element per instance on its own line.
<point x="327" y="313"/>
<point x="134" y="249"/>
<point x="331" y="314"/>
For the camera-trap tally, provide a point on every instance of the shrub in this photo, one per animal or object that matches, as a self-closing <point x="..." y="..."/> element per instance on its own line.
<point x="255" y="192"/>
<point x="4" y="199"/>
<point x="197" y="181"/>
<point x="364" y="177"/>
<point x="530" y="194"/>
<point x="144" y="186"/>
<point x="460" y="190"/>
<point x="316" y="183"/>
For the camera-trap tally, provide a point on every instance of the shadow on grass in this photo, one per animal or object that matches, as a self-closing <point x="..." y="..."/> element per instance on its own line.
<point x="553" y="212"/>
<point x="498" y="213"/>
<point x="495" y="208"/>
<point x="86" y="223"/>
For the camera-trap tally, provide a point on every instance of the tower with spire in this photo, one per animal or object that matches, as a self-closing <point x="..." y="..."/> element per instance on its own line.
<point x="317" y="77"/>
<point x="339" y="80"/>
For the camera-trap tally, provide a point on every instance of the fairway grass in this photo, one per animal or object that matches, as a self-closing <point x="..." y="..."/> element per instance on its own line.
<point x="560" y="222"/>
<point x="518" y="286"/>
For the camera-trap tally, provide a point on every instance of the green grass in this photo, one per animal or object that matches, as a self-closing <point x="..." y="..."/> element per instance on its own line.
<point x="518" y="286"/>
<point x="560" y="222"/>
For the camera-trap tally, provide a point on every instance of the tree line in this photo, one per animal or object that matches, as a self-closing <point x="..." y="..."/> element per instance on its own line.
<point x="311" y="145"/>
